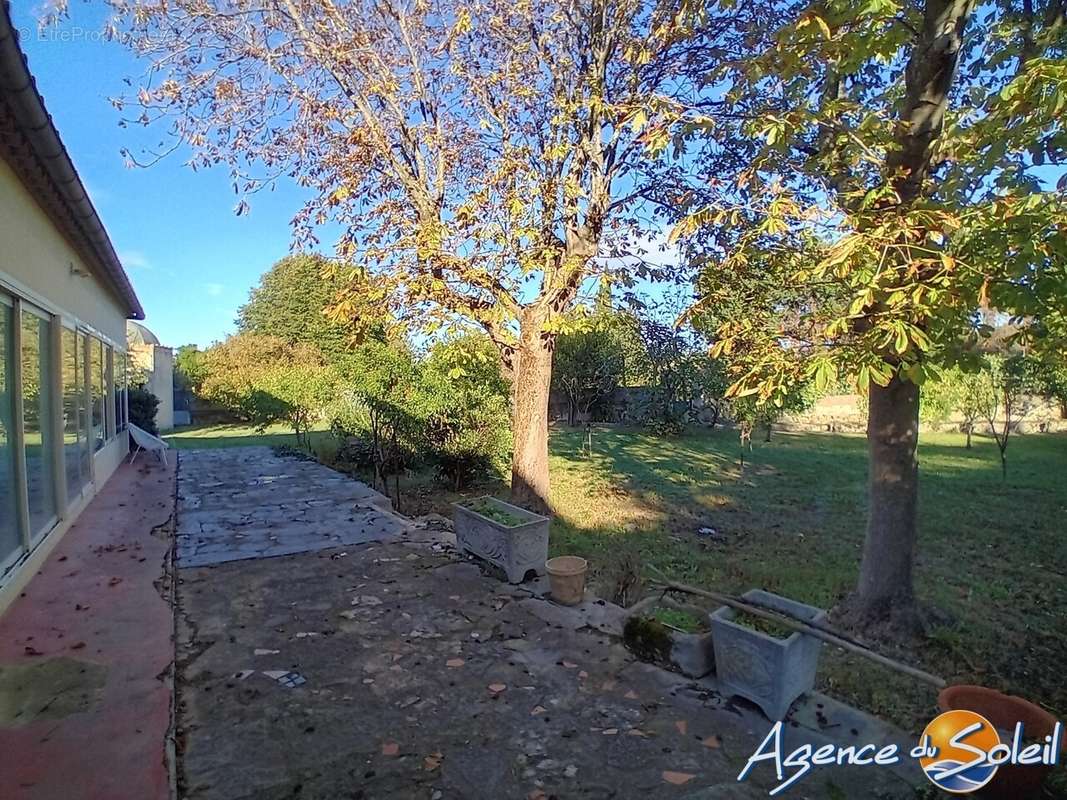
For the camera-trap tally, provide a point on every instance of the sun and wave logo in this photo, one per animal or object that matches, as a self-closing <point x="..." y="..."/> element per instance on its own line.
<point x="957" y="744"/>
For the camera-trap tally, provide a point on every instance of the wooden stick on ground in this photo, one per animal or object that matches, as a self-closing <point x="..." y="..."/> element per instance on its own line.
<point x="829" y="637"/>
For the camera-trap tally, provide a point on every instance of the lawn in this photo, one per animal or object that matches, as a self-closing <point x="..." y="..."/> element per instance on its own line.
<point x="209" y="436"/>
<point x="991" y="552"/>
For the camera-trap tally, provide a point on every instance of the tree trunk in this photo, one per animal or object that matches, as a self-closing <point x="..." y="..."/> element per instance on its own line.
<point x="530" y="486"/>
<point x="884" y="600"/>
<point x="970" y="427"/>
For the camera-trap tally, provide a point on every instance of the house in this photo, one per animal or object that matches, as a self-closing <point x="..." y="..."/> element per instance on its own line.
<point x="64" y="302"/>
<point x="152" y="364"/>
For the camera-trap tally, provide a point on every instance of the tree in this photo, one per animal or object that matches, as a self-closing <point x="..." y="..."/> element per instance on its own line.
<point x="749" y="414"/>
<point x="1050" y="378"/>
<point x="479" y="156"/>
<point x="383" y="380"/>
<point x="673" y="366"/>
<point x="467" y="429"/>
<point x="969" y="393"/>
<point x="1014" y="380"/>
<point x="587" y="367"/>
<point x="264" y="379"/>
<point x="189" y="370"/>
<point x="291" y="301"/>
<point x="898" y="143"/>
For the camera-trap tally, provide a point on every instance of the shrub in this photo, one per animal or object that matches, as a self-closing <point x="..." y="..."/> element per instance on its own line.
<point x="142" y="408"/>
<point x="467" y="432"/>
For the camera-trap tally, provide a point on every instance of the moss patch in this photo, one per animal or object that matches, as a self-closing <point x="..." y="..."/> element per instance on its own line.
<point x="648" y="639"/>
<point x="49" y="689"/>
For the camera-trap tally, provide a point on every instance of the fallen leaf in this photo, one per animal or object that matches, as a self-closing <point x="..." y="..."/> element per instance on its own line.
<point x="77" y="646"/>
<point x="432" y="761"/>
<point x="497" y="688"/>
<point x="454" y="663"/>
<point x="390" y="749"/>
<point x="631" y="695"/>
<point x="677" y="778"/>
<point x="570" y="665"/>
<point x="607" y="685"/>
<point x="682" y="726"/>
<point x="637" y="732"/>
<point x="32" y="651"/>
<point x="713" y="742"/>
<point x="538" y="711"/>
<point x="583" y="675"/>
<point x="610" y="731"/>
<point x="114" y="582"/>
<point x="536" y="794"/>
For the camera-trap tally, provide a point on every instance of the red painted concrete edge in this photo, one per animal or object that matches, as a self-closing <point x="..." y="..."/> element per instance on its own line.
<point x="96" y="600"/>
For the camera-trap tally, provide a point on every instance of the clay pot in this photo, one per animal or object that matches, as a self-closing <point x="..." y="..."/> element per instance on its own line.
<point x="566" y="576"/>
<point x="1012" y="781"/>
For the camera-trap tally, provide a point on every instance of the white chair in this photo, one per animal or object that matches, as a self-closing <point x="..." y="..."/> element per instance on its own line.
<point x="146" y="441"/>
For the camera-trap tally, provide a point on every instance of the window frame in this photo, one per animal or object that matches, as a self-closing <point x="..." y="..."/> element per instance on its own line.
<point x="54" y="423"/>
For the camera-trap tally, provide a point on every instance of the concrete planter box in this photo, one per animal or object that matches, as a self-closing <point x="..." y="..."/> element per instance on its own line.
<point x="692" y="653"/>
<point x="769" y="671"/>
<point x="516" y="549"/>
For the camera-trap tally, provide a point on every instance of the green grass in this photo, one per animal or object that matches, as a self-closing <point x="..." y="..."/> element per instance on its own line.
<point x="199" y="437"/>
<point x="991" y="555"/>
<point x="991" y="552"/>
<point x="991" y="558"/>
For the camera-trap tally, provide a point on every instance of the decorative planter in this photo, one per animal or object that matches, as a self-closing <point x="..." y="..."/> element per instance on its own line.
<point x="515" y="548"/>
<point x="769" y="671"/>
<point x="1004" y="711"/>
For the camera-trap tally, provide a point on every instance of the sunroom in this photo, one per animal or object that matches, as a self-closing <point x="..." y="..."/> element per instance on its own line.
<point x="64" y="301"/>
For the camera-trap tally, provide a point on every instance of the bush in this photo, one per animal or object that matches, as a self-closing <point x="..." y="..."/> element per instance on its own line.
<point x="142" y="407"/>
<point x="355" y="453"/>
<point x="468" y="426"/>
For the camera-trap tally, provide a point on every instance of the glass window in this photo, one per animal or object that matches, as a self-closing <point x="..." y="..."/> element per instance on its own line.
<point x="120" y="391"/>
<point x="37" y="419"/>
<point x="75" y="407"/>
<point x="10" y="538"/>
<point x="96" y="391"/>
<point x="109" y="390"/>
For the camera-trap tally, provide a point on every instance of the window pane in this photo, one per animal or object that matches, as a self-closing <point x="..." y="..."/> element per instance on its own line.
<point x="37" y="418"/>
<point x="120" y="391"/>
<point x="10" y="539"/>
<point x="72" y="404"/>
<point x="84" y="451"/>
<point x="96" y="388"/>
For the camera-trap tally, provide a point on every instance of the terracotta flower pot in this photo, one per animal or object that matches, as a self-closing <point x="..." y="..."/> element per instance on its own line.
<point x="1012" y="781"/>
<point x="566" y="576"/>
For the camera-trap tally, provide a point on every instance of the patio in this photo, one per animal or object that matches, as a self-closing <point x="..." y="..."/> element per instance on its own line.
<point x="388" y="667"/>
<point x="329" y="648"/>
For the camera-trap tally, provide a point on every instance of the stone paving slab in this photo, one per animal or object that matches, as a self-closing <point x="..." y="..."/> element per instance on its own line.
<point x="396" y="670"/>
<point x="245" y="502"/>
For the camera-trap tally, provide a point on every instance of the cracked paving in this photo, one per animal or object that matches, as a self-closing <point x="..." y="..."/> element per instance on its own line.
<point x="395" y="669"/>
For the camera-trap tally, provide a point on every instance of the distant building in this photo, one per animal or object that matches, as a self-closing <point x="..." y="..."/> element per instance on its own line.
<point x="64" y="302"/>
<point x="154" y="363"/>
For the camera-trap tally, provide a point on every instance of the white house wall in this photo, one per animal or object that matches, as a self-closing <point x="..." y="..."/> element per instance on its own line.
<point x="36" y="261"/>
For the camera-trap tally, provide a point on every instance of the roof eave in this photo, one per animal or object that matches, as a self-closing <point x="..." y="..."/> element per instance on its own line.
<point x="69" y="200"/>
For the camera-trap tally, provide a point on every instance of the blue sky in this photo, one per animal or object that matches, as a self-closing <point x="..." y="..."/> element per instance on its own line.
<point x="191" y="259"/>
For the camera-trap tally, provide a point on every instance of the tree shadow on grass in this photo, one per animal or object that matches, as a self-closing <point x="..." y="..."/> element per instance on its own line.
<point x="990" y="551"/>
